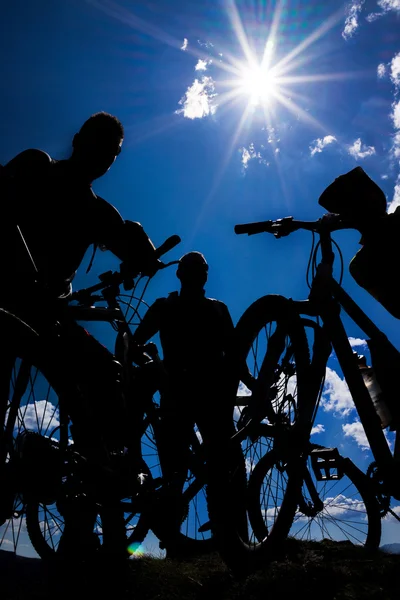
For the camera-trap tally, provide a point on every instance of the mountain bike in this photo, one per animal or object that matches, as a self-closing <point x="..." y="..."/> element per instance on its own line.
<point x="38" y="439"/>
<point x="288" y="327"/>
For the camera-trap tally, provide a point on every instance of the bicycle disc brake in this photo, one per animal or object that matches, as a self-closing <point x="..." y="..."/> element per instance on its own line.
<point x="382" y="496"/>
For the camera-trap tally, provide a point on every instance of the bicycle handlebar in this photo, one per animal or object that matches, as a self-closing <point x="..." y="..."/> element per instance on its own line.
<point x="120" y="277"/>
<point x="166" y="246"/>
<point x="253" y="228"/>
<point x="282" y="227"/>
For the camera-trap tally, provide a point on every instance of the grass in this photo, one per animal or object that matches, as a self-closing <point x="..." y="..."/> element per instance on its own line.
<point x="313" y="570"/>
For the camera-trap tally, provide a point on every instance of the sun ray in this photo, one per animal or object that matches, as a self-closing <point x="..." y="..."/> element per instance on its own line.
<point x="238" y="28"/>
<point x="317" y="77"/>
<point x="313" y="37"/>
<point x="298" y="111"/>
<point x="149" y="129"/>
<point x="129" y="18"/>
<point x="219" y="174"/>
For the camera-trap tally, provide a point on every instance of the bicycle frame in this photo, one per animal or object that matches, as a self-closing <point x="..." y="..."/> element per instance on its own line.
<point x="326" y="299"/>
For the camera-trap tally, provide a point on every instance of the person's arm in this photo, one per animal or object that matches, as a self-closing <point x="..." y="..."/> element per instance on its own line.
<point x="147" y="328"/>
<point x="126" y="239"/>
<point x="150" y="324"/>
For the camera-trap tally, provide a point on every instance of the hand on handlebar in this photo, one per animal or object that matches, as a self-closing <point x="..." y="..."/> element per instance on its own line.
<point x="151" y="268"/>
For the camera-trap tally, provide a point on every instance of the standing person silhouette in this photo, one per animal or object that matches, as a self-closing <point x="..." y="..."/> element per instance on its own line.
<point x="196" y="333"/>
<point x="50" y="218"/>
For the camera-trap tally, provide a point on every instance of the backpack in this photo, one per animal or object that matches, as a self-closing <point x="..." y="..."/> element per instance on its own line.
<point x="373" y="266"/>
<point x="353" y="195"/>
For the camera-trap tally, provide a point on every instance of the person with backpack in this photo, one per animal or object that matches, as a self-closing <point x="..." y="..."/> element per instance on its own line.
<point x="196" y="333"/>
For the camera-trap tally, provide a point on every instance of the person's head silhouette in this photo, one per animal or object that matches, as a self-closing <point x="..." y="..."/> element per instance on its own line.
<point x="192" y="271"/>
<point x="97" y="144"/>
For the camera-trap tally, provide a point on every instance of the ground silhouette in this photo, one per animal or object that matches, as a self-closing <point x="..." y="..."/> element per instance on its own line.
<point x="314" y="570"/>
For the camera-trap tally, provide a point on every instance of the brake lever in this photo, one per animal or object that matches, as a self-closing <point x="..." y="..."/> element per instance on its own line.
<point x="281" y="227"/>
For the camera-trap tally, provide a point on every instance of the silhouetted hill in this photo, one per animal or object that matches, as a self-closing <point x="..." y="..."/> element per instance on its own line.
<point x="316" y="571"/>
<point x="391" y="548"/>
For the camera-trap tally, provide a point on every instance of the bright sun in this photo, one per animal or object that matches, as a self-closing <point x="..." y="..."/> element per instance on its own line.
<point x="258" y="83"/>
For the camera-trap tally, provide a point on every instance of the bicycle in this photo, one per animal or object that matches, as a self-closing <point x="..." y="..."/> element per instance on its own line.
<point x="47" y="422"/>
<point x="292" y="327"/>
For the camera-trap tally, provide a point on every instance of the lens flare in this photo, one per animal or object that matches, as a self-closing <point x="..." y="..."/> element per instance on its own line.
<point x="136" y="550"/>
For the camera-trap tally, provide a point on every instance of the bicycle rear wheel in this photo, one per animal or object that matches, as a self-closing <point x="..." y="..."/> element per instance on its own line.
<point x="195" y="535"/>
<point x="336" y="501"/>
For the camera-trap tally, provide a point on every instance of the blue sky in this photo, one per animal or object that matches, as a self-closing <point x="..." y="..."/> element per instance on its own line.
<point x="209" y="141"/>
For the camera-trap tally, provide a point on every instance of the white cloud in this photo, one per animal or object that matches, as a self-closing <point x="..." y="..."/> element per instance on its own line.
<point x="185" y="44"/>
<point x="386" y="6"/>
<point x="396" y="145"/>
<point x="381" y="70"/>
<point x="354" y="342"/>
<point x="373" y="17"/>
<point x="360" y="150"/>
<point x="396" y="197"/>
<point x="319" y="428"/>
<point x="336" y="397"/>
<point x="351" y="22"/>
<point x="246" y="156"/>
<point x="340" y="507"/>
<point x="396" y="114"/>
<point x="202" y="64"/>
<point x="356" y="432"/>
<point x="395" y="69"/>
<point x="251" y="153"/>
<point x="39" y="416"/>
<point x="320" y="143"/>
<point x="250" y="463"/>
<point x="205" y="44"/>
<point x="198" y="101"/>
<point x="243" y="390"/>
<point x="390" y="517"/>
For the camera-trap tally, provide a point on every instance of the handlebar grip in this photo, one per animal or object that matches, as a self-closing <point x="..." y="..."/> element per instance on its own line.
<point x="252" y="228"/>
<point x="166" y="246"/>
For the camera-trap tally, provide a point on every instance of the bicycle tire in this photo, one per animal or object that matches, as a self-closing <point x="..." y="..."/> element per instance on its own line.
<point x="191" y="540"/>
<point x="241" y="555"/>
<point x="23" y="414"/>
<point x="45" y="531"/>
<point x="37" y="372"/>
<point x="349" y="509"/>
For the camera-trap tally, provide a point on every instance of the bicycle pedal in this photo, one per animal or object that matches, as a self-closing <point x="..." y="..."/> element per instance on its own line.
<point x="326" y="464"/>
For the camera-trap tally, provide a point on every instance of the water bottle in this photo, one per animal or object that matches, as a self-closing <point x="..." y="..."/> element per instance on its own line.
<point x="375" y="391"/>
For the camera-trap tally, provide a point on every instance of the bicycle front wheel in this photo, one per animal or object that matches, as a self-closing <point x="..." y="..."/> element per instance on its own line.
<point x="34" y="433"/>
<point x="272" y="341"/>
<point x="336" y="501"/>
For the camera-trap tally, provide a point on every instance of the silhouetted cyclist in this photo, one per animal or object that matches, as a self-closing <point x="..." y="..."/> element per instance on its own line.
<point x="196" y="333"/>
<point x="50" y="216"/>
